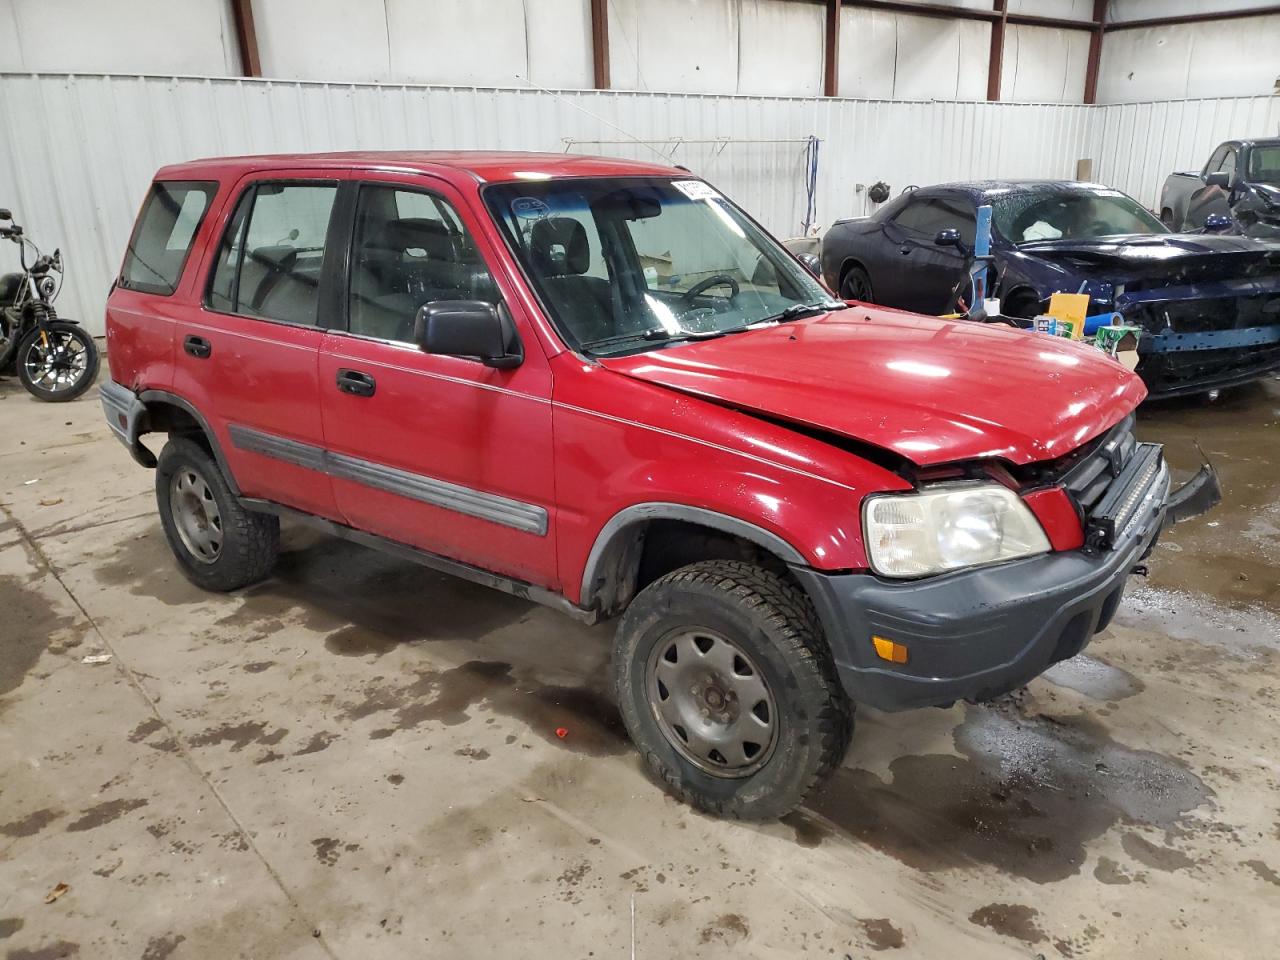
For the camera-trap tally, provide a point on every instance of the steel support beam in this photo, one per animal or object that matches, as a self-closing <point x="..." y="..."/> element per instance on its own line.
<point x="996" y="63"/>
<point x="1206" y="17"/>
<point x="831" y="52"/>
<point x="246" y="38"/>
<point x="1095" y="52"/>
<point x="600" y="42"/>
<point x="968" y="13"/>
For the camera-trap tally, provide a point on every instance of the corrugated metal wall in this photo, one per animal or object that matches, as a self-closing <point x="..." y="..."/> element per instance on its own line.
<point x="78" y="151"/>
<point x="1142" y="143"/>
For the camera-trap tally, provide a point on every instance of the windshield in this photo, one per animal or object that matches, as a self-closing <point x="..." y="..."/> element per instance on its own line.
<point x="1071" y="215"/>
<point x="1264" y="164"/>
<point x="624" y="264"/>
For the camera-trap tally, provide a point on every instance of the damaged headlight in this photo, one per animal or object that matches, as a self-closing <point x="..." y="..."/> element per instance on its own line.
<point x="947" y="528"/>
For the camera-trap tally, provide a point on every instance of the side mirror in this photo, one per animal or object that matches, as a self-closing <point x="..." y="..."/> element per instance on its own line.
<point x="1219" y="178"/>
<point x="949" y="237"/>
<point x="467" y="328"/>
<point x="5" y="214"/>
<point x="1217" y="222"/>
<point x="811" y="263"/>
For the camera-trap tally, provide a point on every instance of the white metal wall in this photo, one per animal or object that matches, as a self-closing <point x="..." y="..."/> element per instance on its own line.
<point x="79" y="151"/>
<point x="1139" y="144"/>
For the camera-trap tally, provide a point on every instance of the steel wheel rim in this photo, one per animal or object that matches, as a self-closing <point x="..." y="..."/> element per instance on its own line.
<point x="58" y="366"/>
<point x="711" y="702"/>
<point x="196" y="516"/>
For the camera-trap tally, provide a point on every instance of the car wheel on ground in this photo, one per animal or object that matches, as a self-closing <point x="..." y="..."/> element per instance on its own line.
<point x="727" y="688"/>
<point x="856" y="285"/>
<point x="218" y="543"/>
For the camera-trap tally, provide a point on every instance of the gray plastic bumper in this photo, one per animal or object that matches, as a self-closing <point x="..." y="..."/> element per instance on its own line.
<point x="975" y="634"/>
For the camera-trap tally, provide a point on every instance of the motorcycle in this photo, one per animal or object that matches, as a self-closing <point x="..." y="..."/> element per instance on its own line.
<point x="57" y="360"/>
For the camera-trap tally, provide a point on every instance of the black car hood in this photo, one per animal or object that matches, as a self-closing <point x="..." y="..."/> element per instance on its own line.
<point x="1174" y="256"/>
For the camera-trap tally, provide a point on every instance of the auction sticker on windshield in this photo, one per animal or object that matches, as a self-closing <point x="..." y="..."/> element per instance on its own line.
<point x="529" y="208"/>
<point x="696" y="189"/>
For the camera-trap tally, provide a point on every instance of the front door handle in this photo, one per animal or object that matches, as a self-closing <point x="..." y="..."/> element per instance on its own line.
<point x="198" y="347"/>
<point x="906" y="248"/>
<point x="356" y="383"/>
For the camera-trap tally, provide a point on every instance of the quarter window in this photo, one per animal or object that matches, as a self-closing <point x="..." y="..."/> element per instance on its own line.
<point x="162" y="239"/>
<point x="270" y="259"/>
<point x="409" y="248"/>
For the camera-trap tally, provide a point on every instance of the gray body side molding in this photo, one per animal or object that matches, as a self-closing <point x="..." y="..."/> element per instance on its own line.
<point x="641" y="512"/>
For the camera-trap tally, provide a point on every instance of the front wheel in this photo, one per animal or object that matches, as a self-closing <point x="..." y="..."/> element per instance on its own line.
<point x="727" y="688"/>
<point x="856" y="285"/>
<point x="57" y="363"/>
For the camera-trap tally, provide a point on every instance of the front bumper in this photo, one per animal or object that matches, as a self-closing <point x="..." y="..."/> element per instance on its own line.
<point x="975" y="634"/>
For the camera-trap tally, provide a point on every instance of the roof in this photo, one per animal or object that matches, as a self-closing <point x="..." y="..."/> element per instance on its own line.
<point x="482" y="165"/>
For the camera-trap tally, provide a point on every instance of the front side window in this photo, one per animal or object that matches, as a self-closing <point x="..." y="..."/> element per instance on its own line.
<point x="162" y="239"/>
<point x="1071" y="215"/>
<point x="622" y="264"/>
<point x="270" y="259"/>
<point x="1264" y="164"/>
<point x="409" y="248"/>
<point x="930" y="215"/>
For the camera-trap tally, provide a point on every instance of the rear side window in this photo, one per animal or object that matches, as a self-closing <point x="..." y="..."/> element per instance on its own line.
<point x="162" y="239"/>
<point x="270" y="259"/>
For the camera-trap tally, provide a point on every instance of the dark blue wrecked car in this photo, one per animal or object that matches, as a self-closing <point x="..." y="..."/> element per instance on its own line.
<point x="1209" y="304"/>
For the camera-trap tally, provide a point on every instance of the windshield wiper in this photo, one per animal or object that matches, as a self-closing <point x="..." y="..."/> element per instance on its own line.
<point x="656" y="333"/>
<point x="798" y="310"/>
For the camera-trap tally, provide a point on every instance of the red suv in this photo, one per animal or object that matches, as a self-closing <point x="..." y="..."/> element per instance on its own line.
<point x="600" y="385"/>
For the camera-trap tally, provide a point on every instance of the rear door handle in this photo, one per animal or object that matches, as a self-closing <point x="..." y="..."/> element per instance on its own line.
<point x="906" y="248"/>
<point x="356" y="383"/>
<point x="198" y="347"/>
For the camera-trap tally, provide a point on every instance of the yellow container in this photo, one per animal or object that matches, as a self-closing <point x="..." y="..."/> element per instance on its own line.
<point x="1070" y="308"/>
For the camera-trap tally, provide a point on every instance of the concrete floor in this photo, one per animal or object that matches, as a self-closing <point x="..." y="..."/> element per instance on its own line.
<point x="358" y="758"/>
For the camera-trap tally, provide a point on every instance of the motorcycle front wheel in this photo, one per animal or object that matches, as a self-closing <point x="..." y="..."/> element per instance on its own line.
<point x="59" y="363"/>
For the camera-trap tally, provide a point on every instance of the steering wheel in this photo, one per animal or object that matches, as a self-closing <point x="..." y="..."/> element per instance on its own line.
<point x="719" y="280"/>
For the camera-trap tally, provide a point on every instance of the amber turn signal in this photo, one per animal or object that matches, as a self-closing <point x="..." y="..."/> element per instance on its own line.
<point x="887" y="649"/>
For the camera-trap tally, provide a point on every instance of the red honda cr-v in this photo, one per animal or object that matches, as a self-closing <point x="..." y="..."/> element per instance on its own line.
<point x="600" y="385"/>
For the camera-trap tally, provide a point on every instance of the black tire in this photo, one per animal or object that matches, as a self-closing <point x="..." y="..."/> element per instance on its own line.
<point x="8" y="336"/>
<point x="772" y="623"/>
<point x="855" y="284"/>
<point x="32" y="350"/>
<point x="248" y="541"/>
<point x="1022" y="304"/>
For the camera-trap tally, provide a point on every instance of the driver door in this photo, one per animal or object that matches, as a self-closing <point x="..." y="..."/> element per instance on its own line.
<point x="1208" y="199"/>
<point x="926" y="273"/>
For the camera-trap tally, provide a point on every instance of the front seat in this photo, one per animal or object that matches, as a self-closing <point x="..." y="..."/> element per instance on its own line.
<point x="561" y="257"/>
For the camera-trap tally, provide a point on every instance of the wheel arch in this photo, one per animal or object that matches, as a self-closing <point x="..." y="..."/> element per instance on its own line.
<point x="169" y="413"/>
<point x="614" y="565"/>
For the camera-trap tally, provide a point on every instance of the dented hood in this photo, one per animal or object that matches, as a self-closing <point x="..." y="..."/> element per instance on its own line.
<point x="930" y="390"/>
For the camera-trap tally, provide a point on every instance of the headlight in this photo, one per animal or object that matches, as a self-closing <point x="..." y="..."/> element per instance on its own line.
<point x="918" y="534"/>
<point x="47" y="285"/>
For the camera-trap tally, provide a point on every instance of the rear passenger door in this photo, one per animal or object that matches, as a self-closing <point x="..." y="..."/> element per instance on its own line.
<point x="247" y="360"/>
<point x="439" y="452"/>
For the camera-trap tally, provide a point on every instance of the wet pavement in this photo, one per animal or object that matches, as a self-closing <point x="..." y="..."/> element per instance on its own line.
<point x="359" y="757"/>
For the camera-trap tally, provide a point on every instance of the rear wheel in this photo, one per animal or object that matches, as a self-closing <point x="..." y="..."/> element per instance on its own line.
<point x="219" y="544"/>
<point x="726" y="686"/>
<point x="58" y="363"/>
<point x="856" y="285"/>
